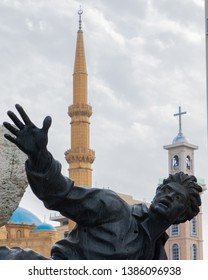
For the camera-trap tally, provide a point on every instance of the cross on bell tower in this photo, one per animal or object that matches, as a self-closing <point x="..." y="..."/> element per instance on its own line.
<point x="179" y="114"/>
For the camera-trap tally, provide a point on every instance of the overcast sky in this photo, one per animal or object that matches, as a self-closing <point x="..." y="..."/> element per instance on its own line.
<point x="145" y="58"/>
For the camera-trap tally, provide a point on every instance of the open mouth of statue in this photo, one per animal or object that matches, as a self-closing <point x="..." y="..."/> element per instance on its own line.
<point x="164" y="203"/>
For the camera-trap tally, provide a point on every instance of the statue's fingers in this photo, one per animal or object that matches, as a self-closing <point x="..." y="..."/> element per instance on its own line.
<point x="10" y="138"/>
<point x="47" y="123"/>
<point x="22" y="113"/>
<point x="15" y="119"/>
<point x="11" y="128"/>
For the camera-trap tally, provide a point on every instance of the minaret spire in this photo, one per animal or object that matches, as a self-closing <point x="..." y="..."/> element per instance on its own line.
<point x="80" y="157"/>
<point x="80" y="12"/>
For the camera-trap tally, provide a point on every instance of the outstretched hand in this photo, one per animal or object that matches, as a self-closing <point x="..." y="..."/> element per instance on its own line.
<point x="26" y="136"/>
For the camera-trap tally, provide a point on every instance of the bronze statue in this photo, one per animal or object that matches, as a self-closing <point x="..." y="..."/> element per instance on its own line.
<point x="107" y="227"/>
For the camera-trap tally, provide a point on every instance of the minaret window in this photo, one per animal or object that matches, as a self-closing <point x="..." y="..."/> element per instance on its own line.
<point x="175" y="252"/>
<point x="175" y="162"/>
<point x="194" y="227"/>
<point x="188" y="162"/>
<point x="194" y="252"/>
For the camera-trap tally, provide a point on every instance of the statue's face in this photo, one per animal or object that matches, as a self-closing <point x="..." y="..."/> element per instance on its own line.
<point x="170" y="201"/>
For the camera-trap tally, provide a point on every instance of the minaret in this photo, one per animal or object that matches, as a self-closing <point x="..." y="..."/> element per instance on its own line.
<point x="80" y="157"/>
<point x="185" y="242"/>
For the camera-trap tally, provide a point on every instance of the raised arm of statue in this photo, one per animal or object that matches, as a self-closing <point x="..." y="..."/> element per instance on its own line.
<point x="83" y="205"/>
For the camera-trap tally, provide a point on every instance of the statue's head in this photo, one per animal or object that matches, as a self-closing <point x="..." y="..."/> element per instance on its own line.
<point x="178" y="198"/>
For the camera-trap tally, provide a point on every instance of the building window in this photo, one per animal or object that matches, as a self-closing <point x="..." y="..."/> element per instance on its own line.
<point x="174" y="230"/>
<point x="188" y="163"/>
<point x="65" y="222"/>
<point x="175" y="252"/>
<point x="18" y="234"/>
<point x="194" y="252"/>
<point x="194" y="226"/>
<point x="175" y="162"/>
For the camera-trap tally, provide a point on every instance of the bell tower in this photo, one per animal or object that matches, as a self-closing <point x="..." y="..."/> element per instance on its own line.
<point x="185" y="242"/>
<point x="80" y="157"/>
<point x="181" y="152"/>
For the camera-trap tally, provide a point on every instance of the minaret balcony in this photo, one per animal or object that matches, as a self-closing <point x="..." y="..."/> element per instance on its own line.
<point x="80" y="154"/>
<point x="80" y="110"/>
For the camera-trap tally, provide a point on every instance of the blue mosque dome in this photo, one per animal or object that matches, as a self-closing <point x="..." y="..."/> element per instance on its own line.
<point x="45" y="226"/>
<point x="22" y="215"/>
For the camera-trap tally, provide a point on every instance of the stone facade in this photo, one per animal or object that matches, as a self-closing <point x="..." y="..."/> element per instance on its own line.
<point x="13" y="181"/>
<point x="25" y="236"/>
